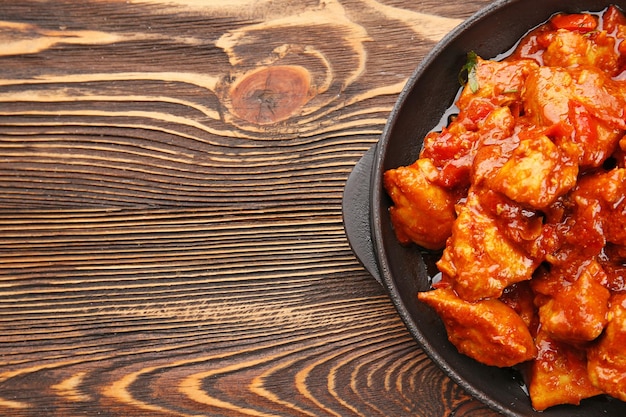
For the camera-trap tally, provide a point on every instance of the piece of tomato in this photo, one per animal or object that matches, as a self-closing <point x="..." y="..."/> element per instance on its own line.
<point x="575" y="22"/>
<point x="612" y="19"/>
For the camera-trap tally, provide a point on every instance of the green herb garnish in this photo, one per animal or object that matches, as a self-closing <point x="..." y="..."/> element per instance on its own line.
<point x="468" y="72"/>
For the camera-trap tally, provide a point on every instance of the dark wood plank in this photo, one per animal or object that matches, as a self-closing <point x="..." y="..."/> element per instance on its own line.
<point x="171" y="241"/>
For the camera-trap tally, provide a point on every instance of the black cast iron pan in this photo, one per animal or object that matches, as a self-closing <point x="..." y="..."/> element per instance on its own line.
<point x="403" y="271"/>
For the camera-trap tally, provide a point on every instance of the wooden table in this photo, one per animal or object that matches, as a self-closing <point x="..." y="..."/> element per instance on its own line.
<point x="171" y="238"/>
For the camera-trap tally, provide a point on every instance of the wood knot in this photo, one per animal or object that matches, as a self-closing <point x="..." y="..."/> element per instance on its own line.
<point x="270" y="94"/>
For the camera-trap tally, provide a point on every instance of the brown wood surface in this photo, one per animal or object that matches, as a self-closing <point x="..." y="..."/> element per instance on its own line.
<point x="171" y="239"/>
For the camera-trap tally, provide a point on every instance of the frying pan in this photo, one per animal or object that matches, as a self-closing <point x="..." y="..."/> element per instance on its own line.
<point x="404" y="271"/>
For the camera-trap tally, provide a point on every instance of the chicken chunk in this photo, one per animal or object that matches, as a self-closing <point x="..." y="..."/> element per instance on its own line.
<point x="575" y="49"/>
<point x="558" y="375"/>
<point x="613" y="189"/>
<point x="549" y="90"/>
<point x="572" y="309"/>
<point x="488" y="330"/>
<point x="423" y="212"/>
<point x="479" y="258"/>
<point x="603" y="97"/>
<point x="605" y="193"/>
<point x="499" y="82"/>
<point x="546" y="95"/>
<point x="535" y="232"/>
<point x="584" y="103"/>
<point x="582" y="233"/>
<point x="606" y="359"/>
<point x="536" y="174"/>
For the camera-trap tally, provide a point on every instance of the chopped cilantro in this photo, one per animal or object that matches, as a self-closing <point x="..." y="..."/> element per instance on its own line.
<point x="468" y="72"/>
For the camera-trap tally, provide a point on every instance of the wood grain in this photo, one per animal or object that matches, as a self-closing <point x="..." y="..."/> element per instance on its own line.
<point x="171" y="241"/>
